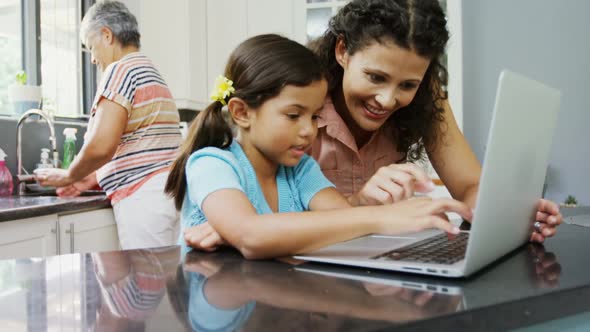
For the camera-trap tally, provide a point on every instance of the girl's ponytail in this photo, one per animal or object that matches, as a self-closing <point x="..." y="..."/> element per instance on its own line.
<point x="208" y="129"/>
<point x="257" y="70"/>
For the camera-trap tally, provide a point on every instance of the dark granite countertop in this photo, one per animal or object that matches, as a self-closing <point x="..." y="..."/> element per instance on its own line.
<point x="20" y="207"/>
<point x="159" y="290"/>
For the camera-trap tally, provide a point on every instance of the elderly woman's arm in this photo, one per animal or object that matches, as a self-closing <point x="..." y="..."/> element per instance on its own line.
<point x="102" y="139"/>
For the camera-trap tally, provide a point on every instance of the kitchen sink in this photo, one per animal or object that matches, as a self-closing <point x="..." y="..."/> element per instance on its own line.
<point x="34" y="190"/>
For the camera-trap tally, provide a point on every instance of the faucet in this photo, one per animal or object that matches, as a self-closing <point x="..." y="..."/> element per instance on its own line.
<point x="20" y="177"/>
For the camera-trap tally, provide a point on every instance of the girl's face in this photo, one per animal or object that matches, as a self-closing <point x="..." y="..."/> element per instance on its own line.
<point x="378" y="80"/>
<point x="283" y="127"/>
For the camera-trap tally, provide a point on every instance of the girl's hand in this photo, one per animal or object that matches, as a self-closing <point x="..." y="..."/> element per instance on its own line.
<point x="203" y="237"/>
<point x="549" y="217"/>
<point x="391" y="184"/>
<point x="420" y="213"/>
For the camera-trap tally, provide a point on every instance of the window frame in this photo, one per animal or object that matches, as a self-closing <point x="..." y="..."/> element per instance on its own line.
<point x="89" y="75"/>
<point x="31" y="55"/>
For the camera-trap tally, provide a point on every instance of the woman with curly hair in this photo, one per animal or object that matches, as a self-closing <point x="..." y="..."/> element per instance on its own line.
<point x="387" y="107"/>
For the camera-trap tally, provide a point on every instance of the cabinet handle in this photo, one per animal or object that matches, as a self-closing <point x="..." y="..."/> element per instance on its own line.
<point x="54" y="231"/>
<point x="71" y="232"/>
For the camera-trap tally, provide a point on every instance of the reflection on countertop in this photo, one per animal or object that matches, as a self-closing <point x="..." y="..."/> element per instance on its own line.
<point x="159" y="290"/>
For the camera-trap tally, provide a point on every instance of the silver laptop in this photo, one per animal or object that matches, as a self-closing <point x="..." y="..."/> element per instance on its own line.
<point x="515" y="162"/>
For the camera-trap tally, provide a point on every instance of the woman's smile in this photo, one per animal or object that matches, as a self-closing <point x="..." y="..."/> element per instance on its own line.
<point x="375" y="112"/>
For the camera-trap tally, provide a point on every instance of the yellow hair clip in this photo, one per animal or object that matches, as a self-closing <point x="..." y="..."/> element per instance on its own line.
<point x="223" y="89"/>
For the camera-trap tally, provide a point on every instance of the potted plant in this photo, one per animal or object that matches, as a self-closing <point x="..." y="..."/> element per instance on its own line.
<point x="570" y="201"/>
<point x="23" y="96"/>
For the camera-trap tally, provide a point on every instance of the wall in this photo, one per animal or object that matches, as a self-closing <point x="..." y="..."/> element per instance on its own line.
<point x="35" y="135"/>
<point x="546" y="40"/>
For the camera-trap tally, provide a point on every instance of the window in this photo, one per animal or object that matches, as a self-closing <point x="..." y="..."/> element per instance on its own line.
<point x="49" y="50"/>
<point x="10" y="48"/>
<point x="318" y="14"/>
<point x="61" y="57"/>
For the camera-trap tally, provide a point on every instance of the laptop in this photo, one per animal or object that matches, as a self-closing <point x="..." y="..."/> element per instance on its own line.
<point x="515" y="163"/>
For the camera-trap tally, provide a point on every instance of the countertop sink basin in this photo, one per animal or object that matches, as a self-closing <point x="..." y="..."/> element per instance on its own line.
<point x="34" y="189"/>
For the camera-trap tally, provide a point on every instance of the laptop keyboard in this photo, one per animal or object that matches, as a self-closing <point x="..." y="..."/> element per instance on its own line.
<point x="437" y="249"/>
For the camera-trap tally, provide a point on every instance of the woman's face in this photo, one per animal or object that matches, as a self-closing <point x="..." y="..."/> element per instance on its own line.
<point x="100" y="45"/>
<point x="378" y="80"/>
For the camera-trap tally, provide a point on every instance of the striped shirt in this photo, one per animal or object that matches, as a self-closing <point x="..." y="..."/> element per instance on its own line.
<point x="152" y="136"/>
<point x="138" y="295"/>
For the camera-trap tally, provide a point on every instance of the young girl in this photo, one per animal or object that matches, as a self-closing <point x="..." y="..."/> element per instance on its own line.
<point x="252" y="190"/>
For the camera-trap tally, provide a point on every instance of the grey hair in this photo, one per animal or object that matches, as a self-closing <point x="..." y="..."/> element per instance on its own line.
<point x="115" y="16"/>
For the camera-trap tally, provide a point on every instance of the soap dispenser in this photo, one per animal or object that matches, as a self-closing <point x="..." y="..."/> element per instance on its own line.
<point x="44" y="163"/>
<point x="6" y="184"/>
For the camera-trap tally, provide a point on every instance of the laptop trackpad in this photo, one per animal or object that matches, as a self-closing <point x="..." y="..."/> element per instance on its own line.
<point x="368" y="246"/>
<point x="379" y="242"/>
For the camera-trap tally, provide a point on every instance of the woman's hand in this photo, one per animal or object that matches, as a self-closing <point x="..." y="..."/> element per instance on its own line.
<point x="78" y="187"/>
<point x="391" y="184"/>
<point x="420" y="213"/>
<point x="53" y="177"/>
<point x="549" y="217"/>
<point x="203" y="237"/>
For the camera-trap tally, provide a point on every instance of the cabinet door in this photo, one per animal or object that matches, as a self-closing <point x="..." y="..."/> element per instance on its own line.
<point x="173" y="36"/>
<point x="88" y="231"/>
<point x="248" y="18"/>
<point x="225" y="30"/>
<point x="271" y="16"/>
<point x="31" y="237"/>
<point x="192" y="40"/>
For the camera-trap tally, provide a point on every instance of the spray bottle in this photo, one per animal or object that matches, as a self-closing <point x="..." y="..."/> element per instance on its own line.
<point x="69" y="147"/>
<point x="6" y="184"/>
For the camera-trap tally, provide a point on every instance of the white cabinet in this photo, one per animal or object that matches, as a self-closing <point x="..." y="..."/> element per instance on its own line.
<point x="190" y="41"/>
<point x="229" y="22"/>
<point x="80" y="232"/>
<point x="173" y="35"/>
<point x="88" y="231"/>
<point x="31" y="237"/>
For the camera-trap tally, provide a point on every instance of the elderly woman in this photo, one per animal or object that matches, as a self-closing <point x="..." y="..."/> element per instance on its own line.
<point x="132" y="136"/>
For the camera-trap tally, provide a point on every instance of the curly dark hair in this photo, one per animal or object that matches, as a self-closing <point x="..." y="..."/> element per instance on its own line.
<point x="418" y="25"/>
